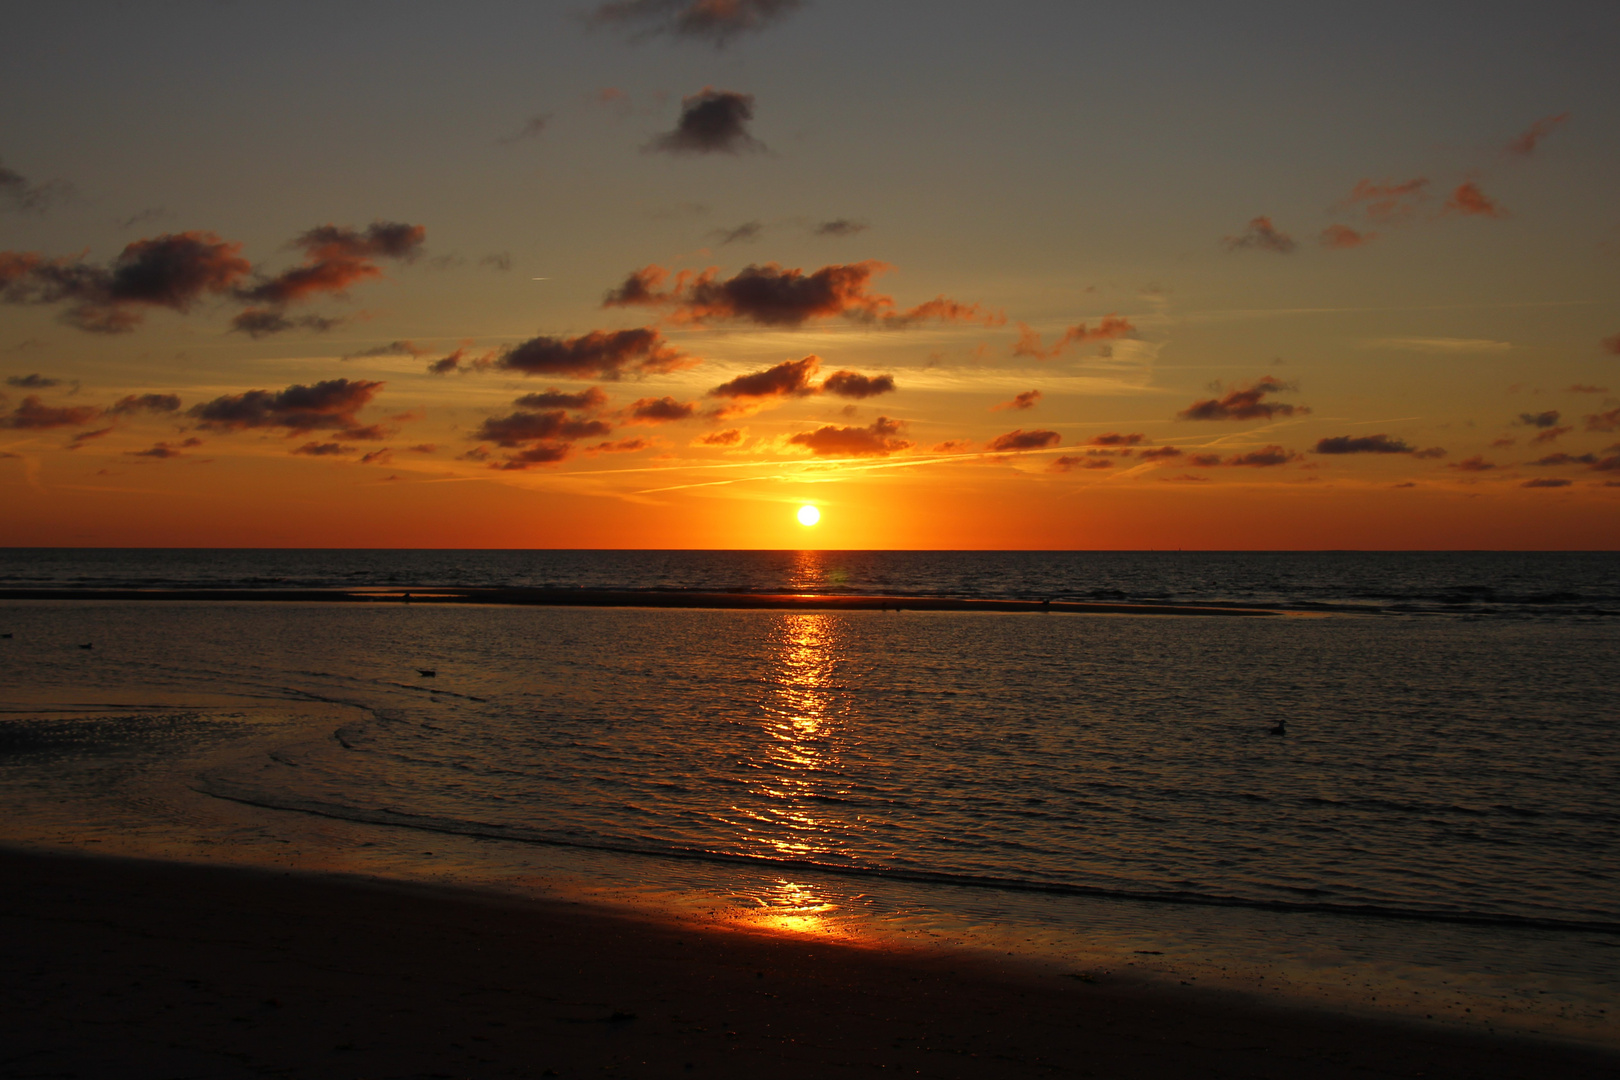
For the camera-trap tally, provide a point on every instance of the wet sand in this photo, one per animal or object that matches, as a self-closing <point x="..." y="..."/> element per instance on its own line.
<point x="137" y="969"/>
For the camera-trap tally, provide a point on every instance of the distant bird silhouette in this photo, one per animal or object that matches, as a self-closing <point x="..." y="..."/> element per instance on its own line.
<point x="4" y="635"/>
<point x="426" y="672"/>
<point x="88" y="645"/>
<point x="1279" y="729"/>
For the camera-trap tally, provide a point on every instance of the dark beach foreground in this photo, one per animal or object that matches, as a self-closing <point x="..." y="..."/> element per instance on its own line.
<point x="136" y="969"/>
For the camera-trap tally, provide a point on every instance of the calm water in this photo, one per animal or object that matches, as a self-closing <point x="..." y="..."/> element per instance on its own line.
<point x="1454" y="769"/>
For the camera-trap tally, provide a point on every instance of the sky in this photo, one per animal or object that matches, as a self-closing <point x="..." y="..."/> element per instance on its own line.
<point x="658" y="273"/>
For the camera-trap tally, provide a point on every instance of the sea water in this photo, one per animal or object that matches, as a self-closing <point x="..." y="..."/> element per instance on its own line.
<point x="1434" y="828"/>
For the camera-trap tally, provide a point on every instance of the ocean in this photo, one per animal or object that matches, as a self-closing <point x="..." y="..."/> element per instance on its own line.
<point x="1397" y="792"/>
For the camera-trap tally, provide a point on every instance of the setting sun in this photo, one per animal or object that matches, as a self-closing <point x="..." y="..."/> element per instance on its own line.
<point x="809" y="515"/>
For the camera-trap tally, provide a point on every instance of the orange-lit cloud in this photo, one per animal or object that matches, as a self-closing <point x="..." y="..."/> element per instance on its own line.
<point x="1067" y="463"/>
<point x="771" y="295"/>
<point x="728" y="437"/>
<point x="854" y="385"/>
<point x="1261" y="235"/>
<point x="1026" y="400"/>
<point x="878" y="439"/>
<point x="152" y="403"/>
<point x="600" y="354"/>
<point x="1343" y="237"/>
<point x="1019" y="440"/>
<point x="1470" y="201"/>
<point x="527" y="427"/>
<point x="1610" y="345"/>
<point x="325" y="405"/>
<point x="1244" y="403"/>
<point x="1110" y="328"/>
<point x="1585" y="388"/>
<point x="790" y="378"/>
<point x="31" y="414"/>
<point x="1525" y="144"/>
<point x="1386" y="203"/>
<point x="664" y="410"/>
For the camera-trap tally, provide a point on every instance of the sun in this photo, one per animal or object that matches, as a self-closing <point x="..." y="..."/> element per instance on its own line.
<point x="809" y="515"/>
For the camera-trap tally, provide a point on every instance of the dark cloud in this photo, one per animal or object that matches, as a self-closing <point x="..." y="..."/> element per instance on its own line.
<point x="163" y="451"/>
<point x="539" y="454"/>
<point x="460" y="361"/>
<point x="1343" y="237"/>
<point x="600" y="354"/>
<point x="171" y="271"/>
<point x="748" y="230"/>
<point x="32" y="382"/>
<point x="152" y="403"/>
<point x="1604" y="421"/>
<point x="1114" y="438"/>
<point x="622" y="446"/>
<point x="1525" y="144"/>
<point x="532" y="127"/>
<point x="329" y="449"/>
<point x="1204" y="461"/>
<point x="790" y="378"/>
<point x="329" y="405"/>
<point x="1026" y="400"/>
<point x="1067" y="463"/>
<point x="878" y="439"/>
<point x="88" y="436"/>
<point x="1110" y="328"/>
<point x="1362" y="444"/>
<point x="728" y="437"/>
<point x="336" y="258"/>
<point x="589" y="400"/>
<point x="1567" y="459"/>
<point x="259" y="323"/>
<point x="712" y="122"/>
<point x="527" y="427"/>
<point x="664" y="410"/>
<point x="1264" y="457"/>
<point x="1538" y="420"/>
<point x="1161" y="454"/>
<point x="385" y="456"/>
<point x="714" y="21"/>
<point x="1474" y="464"/>
<point x="1470" y="201"/>
<point x="840" y="227"/>
<point x="31" y="414"/>
<point x="1019" y="439"/>
<point x="852" y="384"/>
<point x="393" y="348"/>
<point x="1546" y="482"/>
<point x="1244" y="403"/>
<point x="17" y="193"/>
<point x="771" y="295"/>
<point x="1261" y="235"/>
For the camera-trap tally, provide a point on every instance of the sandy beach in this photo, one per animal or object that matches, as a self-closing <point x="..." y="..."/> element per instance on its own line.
<point x="135" y="969"/>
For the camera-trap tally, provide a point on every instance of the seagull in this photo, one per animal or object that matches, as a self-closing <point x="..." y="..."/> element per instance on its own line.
<point x="426" y="672"/>
<point x="88" y="645"/>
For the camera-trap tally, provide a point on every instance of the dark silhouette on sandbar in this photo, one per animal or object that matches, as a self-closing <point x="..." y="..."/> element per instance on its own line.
<point x="1279" y="729"/>
<point x="426" y="672"/>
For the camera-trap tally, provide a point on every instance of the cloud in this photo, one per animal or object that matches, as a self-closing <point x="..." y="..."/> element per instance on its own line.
<point x="1584" y="388"/>
<point x="385" y="456"/>
<point x="1525" y="144"/>
<point x="952" y="446"/>
<point x="526" y="427"/>
<point x="878" y="439"/>
<point x="1114" y="438"/>
<point x="1163" y="453"/>
<point x="588" y="400"/>
<point x="1264" y="457"/>
<point x="1364" y="444"/>
<point x="1343" y="237"/>
<point x="771" y="295"/>
<point x="423" y="448"/>
<point x="1611" y="345"/>
<point x="32" y="382"/>
<point x="1067" y="463"/>
<point x="531" y="129"/>
<point x="325" y="405"/>
<point x="715" y="21"/>
<point x="460" y="361"/>
<point x="712" y="122"/>
<point x="623" y="446"/>
<point x="330" y="449"/>
<point x="1567" y="459"/>
<point x="1552" y="434"/>
<point x="1261" y="235"/>
<point x="163" y="451"/>
<point x="1473" y="464"/>
<point x="152" y="403"/>
<point x="31" y="414"/>
<point x="790" y="378"/>
<point x="1019" y="440"/>
<point x="539" y="454"/>
<point x="1605" y="421"/>
<point x="335" y="258"/>
<point x="664" y="410"/>
<point x="1185" y="478"/>
<point x="1204" y="461"/>
<point x="498" y="260"/>
<point x="1386" y="203"/>
<point x="840" y="227"/>
<point x="17" y="193"/>
<point x="1539" y="420"/>
<point x="259" y="323"/>
<point x="1244" y="403"/>
<point x="748" y="230"/>
<point x="1470" y="201"/>
<point x="1441" y="344"/>
<point x="728" y="437"/>
<point x="87" y="436"/>
<point x="170" y="271"/>
<point x="1546" y="482"/>
<point x="600" y="354"/>
<point x="393" y="348"/>
<point x="1111" y="327"/>
<point x="1026" y="400"/>
<point x="854" y="385"/>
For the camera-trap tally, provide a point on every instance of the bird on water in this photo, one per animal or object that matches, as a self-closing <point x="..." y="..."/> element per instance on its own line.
<point x="1279" y="729"/>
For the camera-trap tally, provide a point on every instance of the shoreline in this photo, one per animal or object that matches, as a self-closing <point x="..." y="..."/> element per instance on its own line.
<point x="132" y="967"/>
<point x="639" y="598"/>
